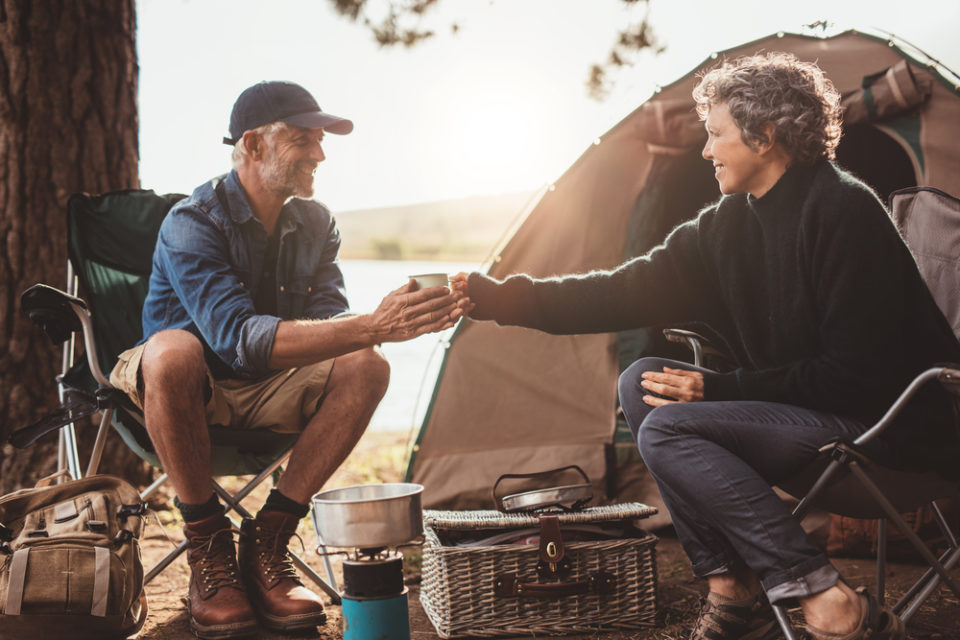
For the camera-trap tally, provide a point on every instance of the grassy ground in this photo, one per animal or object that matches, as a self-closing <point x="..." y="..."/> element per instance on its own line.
<point x="381" y="457"/>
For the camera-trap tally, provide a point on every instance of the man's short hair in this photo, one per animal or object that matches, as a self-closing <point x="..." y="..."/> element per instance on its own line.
<point x="795" y="96"/>
<point x="240" y="152"/>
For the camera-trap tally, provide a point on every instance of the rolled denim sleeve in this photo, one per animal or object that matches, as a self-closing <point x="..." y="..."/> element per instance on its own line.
<point x="255" y="345"/>
<point x="192" y="259"/>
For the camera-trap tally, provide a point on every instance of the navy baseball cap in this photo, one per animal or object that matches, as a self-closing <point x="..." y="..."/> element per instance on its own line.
<point x="273" y="101"/>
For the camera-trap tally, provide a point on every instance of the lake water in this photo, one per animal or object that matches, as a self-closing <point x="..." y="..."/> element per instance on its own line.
<point x="413" y="364"/>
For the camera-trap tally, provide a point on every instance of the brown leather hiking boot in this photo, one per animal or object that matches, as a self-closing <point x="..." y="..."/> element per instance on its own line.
<point x="218" y="605"/>
<point x="275" y="590"/>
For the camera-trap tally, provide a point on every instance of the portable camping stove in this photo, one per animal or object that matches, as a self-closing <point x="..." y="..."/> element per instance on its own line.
<point x="370" y="520"/>
<point x="374" y="596"/>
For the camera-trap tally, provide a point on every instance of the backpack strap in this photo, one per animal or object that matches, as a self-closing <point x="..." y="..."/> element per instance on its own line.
<point x="101" y="582"/>
<point x="18" y="576"/>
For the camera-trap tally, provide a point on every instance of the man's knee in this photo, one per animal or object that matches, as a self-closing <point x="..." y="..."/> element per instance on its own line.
<point x="173" y="356"/>
<point x="366" y="370"/>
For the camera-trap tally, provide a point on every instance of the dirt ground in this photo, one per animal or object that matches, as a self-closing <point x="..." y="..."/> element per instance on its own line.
<point x="380" y="457"/>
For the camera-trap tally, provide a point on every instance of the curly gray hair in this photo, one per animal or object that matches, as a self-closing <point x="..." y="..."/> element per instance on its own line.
<point x="777" y="88"/>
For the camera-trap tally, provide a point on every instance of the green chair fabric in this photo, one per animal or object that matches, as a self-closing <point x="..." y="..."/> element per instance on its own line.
<point x="110" y="242"/>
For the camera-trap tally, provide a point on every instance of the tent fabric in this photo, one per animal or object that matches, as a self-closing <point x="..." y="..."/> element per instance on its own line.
<point x="512" y="400"/>
<point x="929" y="221"/>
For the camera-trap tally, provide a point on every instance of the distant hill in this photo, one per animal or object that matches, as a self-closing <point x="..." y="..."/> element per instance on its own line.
<point x="458" y="230"/>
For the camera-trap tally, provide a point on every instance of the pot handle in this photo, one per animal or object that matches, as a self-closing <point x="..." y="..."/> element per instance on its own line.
<point x="498" y="500"/>
<point x="507" y="585"/>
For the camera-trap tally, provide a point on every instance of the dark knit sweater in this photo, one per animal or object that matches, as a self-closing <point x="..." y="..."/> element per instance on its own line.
<point x="811" y="287"/>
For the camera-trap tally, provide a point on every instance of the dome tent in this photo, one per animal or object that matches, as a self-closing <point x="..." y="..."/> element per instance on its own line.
<point x="514" y="400"/>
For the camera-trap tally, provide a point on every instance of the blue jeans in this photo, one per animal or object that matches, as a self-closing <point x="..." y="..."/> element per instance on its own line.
<point x="715" y="462"/>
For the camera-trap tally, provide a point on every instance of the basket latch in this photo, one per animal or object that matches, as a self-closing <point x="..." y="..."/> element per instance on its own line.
<point x="553" y="563"/>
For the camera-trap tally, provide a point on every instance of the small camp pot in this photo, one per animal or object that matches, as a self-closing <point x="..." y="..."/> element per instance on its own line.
<point x="369" y="516"/>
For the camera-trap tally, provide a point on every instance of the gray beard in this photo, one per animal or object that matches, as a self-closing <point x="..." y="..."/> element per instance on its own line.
<point x="283" y="180"/>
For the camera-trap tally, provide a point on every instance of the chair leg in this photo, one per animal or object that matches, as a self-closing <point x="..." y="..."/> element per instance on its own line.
<point x="800" y="511"/>
<point x="942" y="523"/>
<point x="881" y="559"/>
<point x="930" y="580"/>
<point x="165" y="562"/>
<point x="149" y="491"/>
<point x="905" y="529"/>
<point x="94" y="464"/>
<point x="68" y="456"/>
<point x="781" y="615"/>
<point x="329" y="588"/>
<point x="922" y="589"/>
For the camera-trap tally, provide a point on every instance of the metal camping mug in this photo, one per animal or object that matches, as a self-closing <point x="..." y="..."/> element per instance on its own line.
<point x="427" y="280"/>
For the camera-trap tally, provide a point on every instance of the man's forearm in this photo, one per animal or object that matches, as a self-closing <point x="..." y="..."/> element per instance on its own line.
<point x="301" y="342"/>
<point x="402" y="315"/>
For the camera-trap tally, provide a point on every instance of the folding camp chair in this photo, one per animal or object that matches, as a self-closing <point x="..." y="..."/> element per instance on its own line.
<point x="110" y="244"/>
<point x="846" y="481"/>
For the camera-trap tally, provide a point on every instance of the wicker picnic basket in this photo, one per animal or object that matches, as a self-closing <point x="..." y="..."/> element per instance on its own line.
<point x="508" y="589"/>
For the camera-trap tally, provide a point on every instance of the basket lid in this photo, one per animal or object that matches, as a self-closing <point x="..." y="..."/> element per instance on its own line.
<point x="489" y="519"/>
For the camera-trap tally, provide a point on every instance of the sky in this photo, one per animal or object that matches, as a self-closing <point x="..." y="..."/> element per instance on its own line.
<point x="501" y="106"/>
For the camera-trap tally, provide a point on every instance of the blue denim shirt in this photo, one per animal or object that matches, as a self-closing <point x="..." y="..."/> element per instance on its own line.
<point x="207" y="266"/>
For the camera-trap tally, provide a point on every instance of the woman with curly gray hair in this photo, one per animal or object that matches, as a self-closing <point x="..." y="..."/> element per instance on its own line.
<point x="800" y="271"/>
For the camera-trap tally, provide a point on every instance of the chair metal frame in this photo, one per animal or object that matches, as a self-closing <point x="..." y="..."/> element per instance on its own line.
<point x="68" y="458"/>
<point x="847" y="457"/>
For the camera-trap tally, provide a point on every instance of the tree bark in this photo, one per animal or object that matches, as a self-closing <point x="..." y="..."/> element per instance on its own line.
<point x="68" y="123"/>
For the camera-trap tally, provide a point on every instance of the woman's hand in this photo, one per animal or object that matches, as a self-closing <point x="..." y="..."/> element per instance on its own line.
<point x="677" y="385"/>
<point x="461" y="293"/>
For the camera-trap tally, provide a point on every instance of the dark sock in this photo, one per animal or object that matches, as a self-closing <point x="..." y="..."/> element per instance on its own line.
<point x="276" y="501"/>
<point x="195" y="512"/>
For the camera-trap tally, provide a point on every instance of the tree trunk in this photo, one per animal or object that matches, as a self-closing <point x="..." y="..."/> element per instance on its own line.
<point x="68" y="123"/>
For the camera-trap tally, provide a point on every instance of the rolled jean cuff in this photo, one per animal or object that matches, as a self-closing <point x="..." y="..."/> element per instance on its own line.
<point x="816" y="575"/>
<point x="711" y="567"/>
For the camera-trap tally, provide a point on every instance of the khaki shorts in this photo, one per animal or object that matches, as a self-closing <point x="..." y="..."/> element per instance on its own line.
<point x="283" y="402"/>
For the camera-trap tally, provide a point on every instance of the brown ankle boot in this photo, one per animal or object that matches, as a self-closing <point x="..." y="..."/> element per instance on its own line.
<point x="275" y="591"/>
<point x="218" y="605"/>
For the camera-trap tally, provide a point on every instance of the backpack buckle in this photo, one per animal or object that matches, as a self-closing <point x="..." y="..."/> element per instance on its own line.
<point x="127" y="510"/>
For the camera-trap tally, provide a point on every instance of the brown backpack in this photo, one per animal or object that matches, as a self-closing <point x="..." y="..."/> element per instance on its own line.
<point x="70" y="560"/>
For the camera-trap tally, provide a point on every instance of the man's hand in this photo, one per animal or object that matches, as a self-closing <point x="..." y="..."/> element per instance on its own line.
<point x="460" y="288"/>
<point x="404" y="313"/>
<point x="679" y="384"/>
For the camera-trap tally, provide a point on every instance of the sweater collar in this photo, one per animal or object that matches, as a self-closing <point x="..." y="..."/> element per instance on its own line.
<point x="788" y="192"/>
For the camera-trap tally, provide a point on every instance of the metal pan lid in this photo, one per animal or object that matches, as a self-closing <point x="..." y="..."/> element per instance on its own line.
<point x="569" y="496"/>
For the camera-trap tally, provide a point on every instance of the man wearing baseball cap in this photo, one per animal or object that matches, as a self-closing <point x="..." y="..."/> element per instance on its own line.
<point x="246" y="325"/>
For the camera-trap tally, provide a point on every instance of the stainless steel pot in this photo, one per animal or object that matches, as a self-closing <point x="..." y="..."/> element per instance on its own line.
<point x="369" y="516"/>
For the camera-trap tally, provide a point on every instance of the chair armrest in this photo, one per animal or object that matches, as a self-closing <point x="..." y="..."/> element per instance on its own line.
<point x="56" y="312"/>
<point x="948" y="377"/>
<point x="698" y="343"/>
<point x="60" y="314"/>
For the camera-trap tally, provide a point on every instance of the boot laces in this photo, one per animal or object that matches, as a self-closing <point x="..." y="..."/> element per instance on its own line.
<point x="273" y="554"/>
<point x="215" y="558"/>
